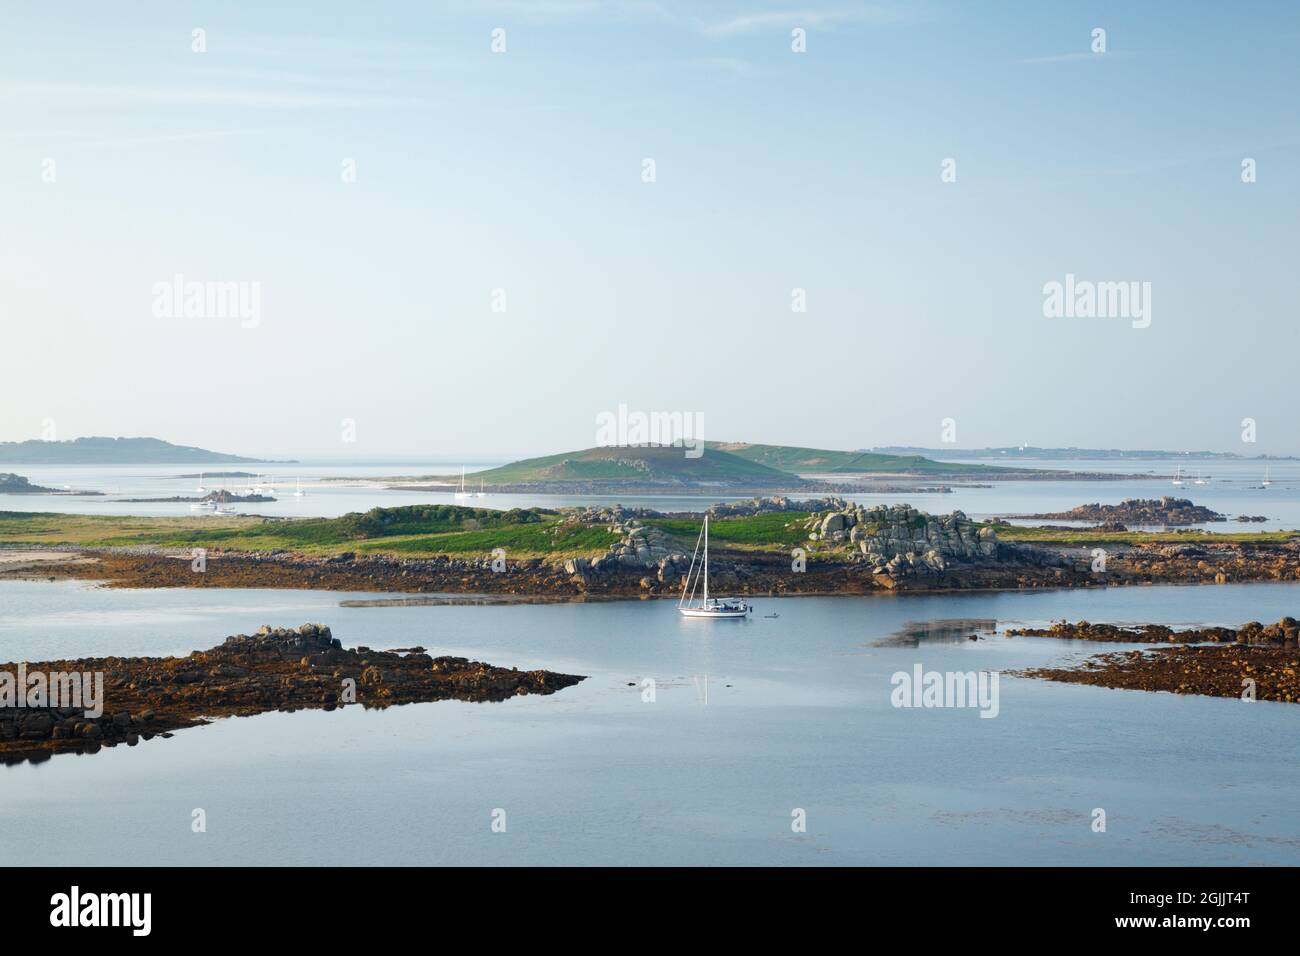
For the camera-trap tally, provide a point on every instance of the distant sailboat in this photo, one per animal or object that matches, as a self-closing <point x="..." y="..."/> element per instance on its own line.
<point x="481" y="492"/>
<point x="463" y="493"/>
<point x="201" y="490"/>
<point x="297" y="490"/>
<point x="1199" y="480"/>
<point x="708" y="607"/>
<point x="1267" y="481"/>
<point x="1178" y="476"/>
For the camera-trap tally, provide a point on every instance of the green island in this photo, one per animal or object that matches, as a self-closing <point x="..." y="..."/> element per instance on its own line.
<point x="723" y="465"/>
<point x="423" y="530"/>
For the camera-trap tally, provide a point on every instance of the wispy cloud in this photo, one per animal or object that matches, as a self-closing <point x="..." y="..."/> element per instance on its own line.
<point x="815" y="19"/>
<point x="164" y="138"/>
<point x="80" y="94"/>
<point x="1074" y="57"/>
<point x="590" y="11"/>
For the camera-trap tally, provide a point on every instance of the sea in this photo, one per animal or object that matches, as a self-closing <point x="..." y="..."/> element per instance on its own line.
<point x="771" y="740"/>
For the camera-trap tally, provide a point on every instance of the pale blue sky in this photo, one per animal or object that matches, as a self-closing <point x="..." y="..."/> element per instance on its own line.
<point x="522" y="171"/>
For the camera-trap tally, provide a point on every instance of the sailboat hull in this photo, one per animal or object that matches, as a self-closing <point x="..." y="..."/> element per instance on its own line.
<point x="712" y="612"/>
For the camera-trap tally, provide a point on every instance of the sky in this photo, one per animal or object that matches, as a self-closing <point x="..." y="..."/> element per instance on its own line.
<point x="456" y="250"/>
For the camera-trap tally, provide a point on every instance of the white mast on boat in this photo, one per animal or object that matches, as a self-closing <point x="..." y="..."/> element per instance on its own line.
<point x="711" y="607"/>
<point x="706" y="560"/>
<point x="463" y="493"/>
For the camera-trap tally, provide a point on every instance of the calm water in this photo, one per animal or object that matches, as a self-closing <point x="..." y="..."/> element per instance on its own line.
<point x="751" y="720"/>
<point x="1231" y="488"/>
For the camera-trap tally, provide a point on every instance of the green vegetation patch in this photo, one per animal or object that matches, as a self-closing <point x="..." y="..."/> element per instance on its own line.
<point x="771" y="530"/>
<point x="1088" y="536"/>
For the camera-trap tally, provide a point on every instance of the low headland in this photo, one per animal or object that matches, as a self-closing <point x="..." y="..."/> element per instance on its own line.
<point x="11" y="484"/>
<point x="277" y="669"/>
<point x="727" y="467"/>
<point x="765" y="546"/>
<point x="1253" y="662"/>
<point x="100" y="450"/>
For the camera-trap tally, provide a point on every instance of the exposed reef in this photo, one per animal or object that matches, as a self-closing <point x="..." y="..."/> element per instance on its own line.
<point x="1253" y="662"/>
<point x="276" y="669"/>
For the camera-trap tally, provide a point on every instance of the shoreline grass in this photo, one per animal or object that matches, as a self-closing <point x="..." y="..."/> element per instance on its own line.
<point x="424" y="531"/>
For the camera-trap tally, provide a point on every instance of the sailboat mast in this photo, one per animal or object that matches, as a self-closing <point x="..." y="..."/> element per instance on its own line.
<point x="706" y="559"/>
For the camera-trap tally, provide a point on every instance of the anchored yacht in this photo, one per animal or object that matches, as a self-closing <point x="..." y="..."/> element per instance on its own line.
<point x="708" y="607"/>
<point x="462" y="493"/>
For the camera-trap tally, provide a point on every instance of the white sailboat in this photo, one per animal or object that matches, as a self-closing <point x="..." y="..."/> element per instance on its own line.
<point x="201" y="490"/>
<point x="481" y="492"/>
<point x="463" y="493"/>
<point x="1199" y="480"/>
<point x="1267" y="481"/>
<point x="1178" y="476"/>
<point x="708" y="607"/>
<point x="297" y="489"/>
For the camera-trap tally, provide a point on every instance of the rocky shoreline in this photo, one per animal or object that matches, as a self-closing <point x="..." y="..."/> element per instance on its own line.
<point x="276" y="669"/>
<point x="1165" y="512"/>
<point x="12" y="484"/>
<point x="215" y="497"/>
<point x="900" y="485"/>
<point x="762" y="546"/>
<point x="1282" y="634"/>
<point x="1253" y="662"/>
<point x="628" y="574"/>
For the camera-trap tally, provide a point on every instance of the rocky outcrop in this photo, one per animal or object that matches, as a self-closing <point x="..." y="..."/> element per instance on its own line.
<point x="1234" y="669"/>
<point x="1285" y="633"/>
<point x="900" y="540"/>
<point x="1116" y="633"/>
<point x="736" y="509"/>
<point x="1162" y="512"/>
<point x="276" y="669"/>
<point x="640" y="548"/>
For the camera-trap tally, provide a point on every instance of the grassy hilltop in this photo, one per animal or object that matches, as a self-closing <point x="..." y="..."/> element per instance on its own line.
<point x="825" y="462"/>
<point x="653" y="464"/>
<point x="110" y="451"/>
<point x="776" y="467"/>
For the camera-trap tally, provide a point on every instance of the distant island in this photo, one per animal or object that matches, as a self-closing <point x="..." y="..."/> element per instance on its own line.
<point x="733" y="467"/>
<point x="11" y="484"/>
<point x="821" y="461"/>
<point x="112" y="451"/>
<point x="1073" y="454"/>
